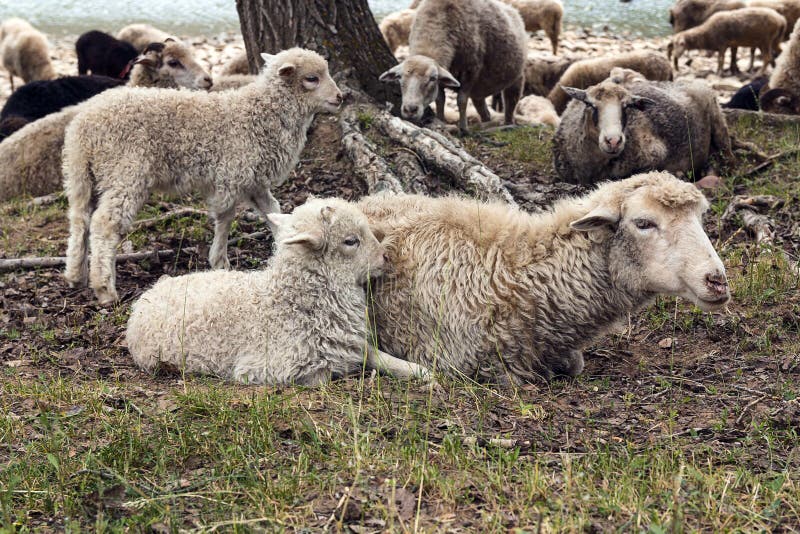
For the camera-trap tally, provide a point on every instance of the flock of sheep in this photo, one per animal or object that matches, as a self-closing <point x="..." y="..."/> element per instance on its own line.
<point x="457" y="286"/>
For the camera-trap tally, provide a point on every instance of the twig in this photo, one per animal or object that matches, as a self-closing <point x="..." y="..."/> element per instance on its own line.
<point x="45" y="200"/>
<point x="180" y="212"/>
<point x="769" y="161"/>
<point x="749" y="405"/>
<point x="503" y="443"/>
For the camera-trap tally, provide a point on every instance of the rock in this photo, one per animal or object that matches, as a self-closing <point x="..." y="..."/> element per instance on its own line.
<point x="710" y="182"/>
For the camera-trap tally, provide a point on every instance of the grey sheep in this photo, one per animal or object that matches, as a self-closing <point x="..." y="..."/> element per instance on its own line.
<point x="231" y="146"/>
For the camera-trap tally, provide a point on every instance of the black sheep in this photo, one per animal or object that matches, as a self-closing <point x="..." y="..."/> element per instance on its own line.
<point x="34" y="100"/>
<point x="103" y="54"/>
<point x="747" y="96"/>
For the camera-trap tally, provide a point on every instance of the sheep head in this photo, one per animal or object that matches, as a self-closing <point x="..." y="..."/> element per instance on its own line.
<point x="307" y="73"/>
<point x="333" y="233"/>
<point x="420" y="79"/>
<point x="607" y="106"/>
<point x="779" y="101"/>
<point x="174" y="65"/>
<point x="676" y="48"/>
<point x="657" y="244"/>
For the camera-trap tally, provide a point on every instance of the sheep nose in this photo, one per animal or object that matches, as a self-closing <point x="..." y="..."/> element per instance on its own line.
<point x="613" y="141"/>
<point x="208" y="81"/>
<point x="717" y="282"/>
<point x="339" y="98"/>
<point x="411" y="109"/>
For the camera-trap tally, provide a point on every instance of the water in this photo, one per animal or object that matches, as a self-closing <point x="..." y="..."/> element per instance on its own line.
<point x="205" y="17"/>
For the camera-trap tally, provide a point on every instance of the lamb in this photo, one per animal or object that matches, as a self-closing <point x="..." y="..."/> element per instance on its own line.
<point x="166" y="65"/>
<point x="24" y="52"/>
<point x="533" y="110"/>
<point x="232" y="146"/>
<point x="756" y="27"/>
<point x="613" y="130"/>
<point x="588" y="72"/>
<point x="396" y="28"/>
<point x="782" y="92"/>
<point x="687" y="14"/>
<point x="140" y="35"/>
<point x="238" y="64"/>
<point x="102" y="54"/>
<point x="30" y="159"/>
<point x="541" y="73"/>
<point x="475" y="46"/>
<point x="541" y="15"/>
<point x="302" y="320"/>
<point x="487" y="290"/>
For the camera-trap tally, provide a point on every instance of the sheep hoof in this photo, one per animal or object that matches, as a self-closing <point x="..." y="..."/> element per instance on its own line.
<point x="75" y="281"/>
<point x="221" y="263"/>
<point x="105" y="296"/>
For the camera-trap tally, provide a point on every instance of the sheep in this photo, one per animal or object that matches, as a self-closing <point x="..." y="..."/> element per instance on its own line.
<point x="533" y="110"/>
<point x="11" y="124"/>
<point x="30" y="159"/>
<point x="24" y="52"/>
<point x="396" y="28"/>
<point x="140" y="35"/>
<point x="588" y="72"/>
<point x="541" y="15"/>
<point x="302" y="320"/>
<point x="232" y="81"/>
<point x="238" y="64"/>
<point x="613" y="130"/>
<point x="102" y="54"/>
<point x="167" y="65"/>
<point x="475" y="46"/>
<point x="541" y="73"/>
<point x="782" y="92"/>
<point x="788" y="9"/>
<point x="687" y="14"/>
<point x="756" y="27"/>
<point x="487" y="290"/>
<point x="747" y="95"/>
<point x="231" y="146"/>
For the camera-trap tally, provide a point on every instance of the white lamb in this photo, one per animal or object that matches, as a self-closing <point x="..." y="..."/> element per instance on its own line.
<point x="231" y="146"/>
<point x="302" y="320"/>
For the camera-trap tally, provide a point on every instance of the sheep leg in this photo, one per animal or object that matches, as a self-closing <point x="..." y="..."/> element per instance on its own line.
<point x="552" y="34"/>
<point x="753" y="59"/>
<point x="497" y="102"/>
<point x="462" y="100"/>
<point x="510" y="99"/>
<point x="77" y="270"/>
<point x="720" y="61"/>
<point x="440" y="98"/>
<point x="218" y="255"/>
<point x="734" y="63"/>
<point x="483" y="111"/>
<point x="377" y="359"/>
<point x="268" y="204"/>
<point x="766" y="58"/>
<point x="11" y="79"/>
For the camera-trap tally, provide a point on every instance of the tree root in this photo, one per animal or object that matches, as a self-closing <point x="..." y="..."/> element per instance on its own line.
<point x="770" y="160"/>
<point x="369" y="166"/>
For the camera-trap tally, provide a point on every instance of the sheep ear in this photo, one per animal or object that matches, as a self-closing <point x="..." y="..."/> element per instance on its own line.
<point x="153" y="47"/>
<point x="146" y="61"/>
<point x="577" y="94"/>
<point x="641" y="102"/>
<point x="278" y="219"/>
<point x="600" y="217"/>
<point x="286" y="71"/>
<point x="267" y="57"/>
<point x="312" y="240"/>
<point x="392" y="75"/>
<point x="170" y="40"/>
<point x="446" y="79"/>
<point x="327" y="213"/>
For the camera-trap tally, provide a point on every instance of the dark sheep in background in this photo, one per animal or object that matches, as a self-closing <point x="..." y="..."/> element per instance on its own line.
<point x="10" y="125"/>
<point x="747" y="96"/>
<point x="104" y="54"/>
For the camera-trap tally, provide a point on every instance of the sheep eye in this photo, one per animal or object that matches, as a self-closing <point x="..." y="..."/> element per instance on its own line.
<point x="175" y="64"/>
<point x="644" y="224"/>
<point x="433" y="79"/>
<point x="312" y="79"/>
<point x="351" y="241"/>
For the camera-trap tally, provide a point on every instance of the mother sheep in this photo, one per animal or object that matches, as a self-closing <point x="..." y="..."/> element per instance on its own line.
<point x="487" y="290"/>
<point x="475" y="46"/>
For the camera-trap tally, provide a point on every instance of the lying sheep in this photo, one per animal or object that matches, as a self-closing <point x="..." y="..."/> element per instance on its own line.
<point x="24" y="52"/>
<point x="613" y="131"/>
<point x="396" y="28"/>
<point x="541" y="73"/>
<point x="232" y="146"/>
<point x="302" y="320"/>
<point x="165" y="65"/>
<point x="588" y="72"/>
<point x="747" y="95"/>
<point x="475" y="46"/>
<point x="533" y="110"/>
<point x="30" y="159"/>
<point x="238" y="64"/>
<point x="782" y="92"/>
<point x="541" y="15"/>
<point x="102" y="54"/>
<point x="756" y="27"/>
<point x="140" y="35"/>
<point x="487" y="290"/>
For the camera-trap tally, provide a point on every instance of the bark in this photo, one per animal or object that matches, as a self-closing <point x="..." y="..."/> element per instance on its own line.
<point x="367" y="164"/>
<point x="342" y="31"/>
<point x="769" y="119"/>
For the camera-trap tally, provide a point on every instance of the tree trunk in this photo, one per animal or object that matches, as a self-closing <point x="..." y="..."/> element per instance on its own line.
<point x="343" y="31"/>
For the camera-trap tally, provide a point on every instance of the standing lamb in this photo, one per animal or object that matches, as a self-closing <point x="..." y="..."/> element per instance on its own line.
<point x="756" y="27"/>
<point x="396" y="28"/>
<point x="302" y="320"/>
<point x="475" y="46"/>
<point x="140" y="35"/>
<point x="489" y="290"/>
<point x="231" y="146"/>
<point x="30" y="159"/>
<point x="588" y="72"/>
<point x="24" y="52"/>
<point x="541" y="15"/>
<point x="613" y="130"/>
<point x="102" y="54"/>
<point x="782" y="92"/>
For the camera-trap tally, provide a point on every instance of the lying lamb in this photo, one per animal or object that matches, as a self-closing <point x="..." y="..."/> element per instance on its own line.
<point x="475" y="46"/>
<point x="302" y="320"/>
<point x="613" y="130"/>
<point x="231" y="146"/>
<point x="489" y="290"/>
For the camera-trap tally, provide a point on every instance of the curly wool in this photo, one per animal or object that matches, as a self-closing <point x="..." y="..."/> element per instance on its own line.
<point x="300" y="320"/>
<point x="787" y="67"/>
